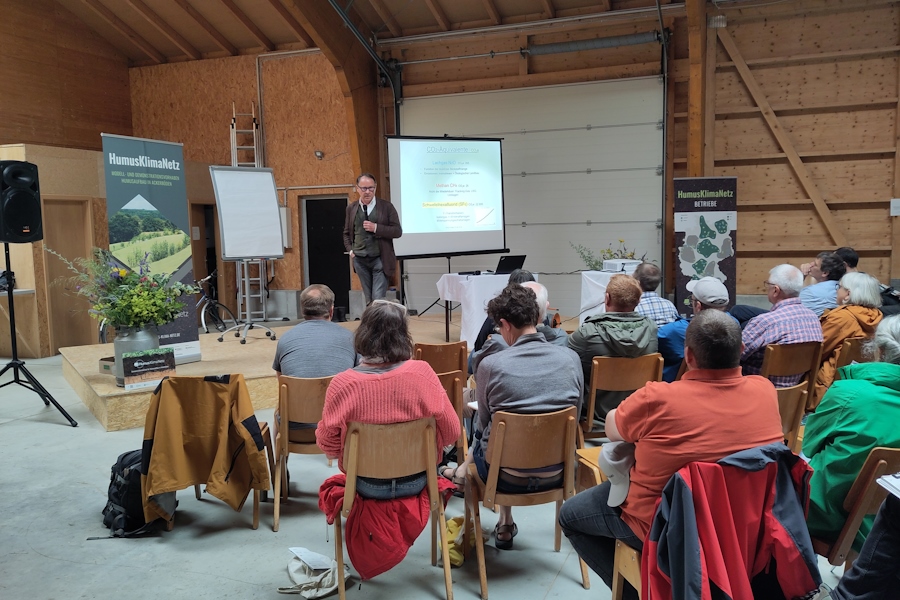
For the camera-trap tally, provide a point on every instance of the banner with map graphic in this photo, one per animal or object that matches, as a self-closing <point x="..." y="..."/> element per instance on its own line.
<point x="147" y="209"/>
<point x="705" y="234"/>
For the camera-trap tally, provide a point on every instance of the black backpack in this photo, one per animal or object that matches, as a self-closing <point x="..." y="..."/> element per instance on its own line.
<point x="124" y="512"/>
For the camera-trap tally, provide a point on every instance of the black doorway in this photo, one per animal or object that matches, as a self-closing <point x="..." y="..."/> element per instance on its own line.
<point x="325" y="259"/>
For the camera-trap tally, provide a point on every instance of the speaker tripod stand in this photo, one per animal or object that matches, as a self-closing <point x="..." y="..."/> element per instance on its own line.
<point x="17" y="366"/>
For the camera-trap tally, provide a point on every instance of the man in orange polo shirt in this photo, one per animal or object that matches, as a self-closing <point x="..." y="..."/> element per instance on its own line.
<point x="711" y="413"/>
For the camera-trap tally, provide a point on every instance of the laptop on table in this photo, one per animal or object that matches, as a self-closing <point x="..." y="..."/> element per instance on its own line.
<point x="509" y="263"/>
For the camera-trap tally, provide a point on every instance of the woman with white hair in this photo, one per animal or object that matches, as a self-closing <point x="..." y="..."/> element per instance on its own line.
<point x="859" y="412"/>
<point x="856" y="315"/>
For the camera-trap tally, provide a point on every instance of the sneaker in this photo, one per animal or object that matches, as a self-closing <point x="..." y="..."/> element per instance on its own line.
<point x="822" y="593"/>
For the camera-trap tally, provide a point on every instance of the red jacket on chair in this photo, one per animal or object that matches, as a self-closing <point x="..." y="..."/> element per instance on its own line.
<point x="718" y="525"/>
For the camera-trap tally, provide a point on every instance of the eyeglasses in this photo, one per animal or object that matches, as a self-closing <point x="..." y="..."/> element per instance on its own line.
<point x="397" y="304"/>
<point x="766" y="284"/>
<point x="366" y="189"/>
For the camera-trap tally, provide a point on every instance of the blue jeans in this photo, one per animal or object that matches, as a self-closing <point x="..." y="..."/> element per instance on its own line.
<point x="508" y="484"/>
<point x="389" y="489"/>
<point x="371" y="276"/>
<point x="876" y="573"/>
<point x="593" y="527"/>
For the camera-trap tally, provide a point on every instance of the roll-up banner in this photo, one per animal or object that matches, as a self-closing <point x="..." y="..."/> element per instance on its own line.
<point x="147" y="209"/>
<point x="705" y="234"/>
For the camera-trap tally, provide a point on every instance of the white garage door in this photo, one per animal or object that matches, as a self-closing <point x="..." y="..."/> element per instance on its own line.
<point x="582" y="164"/>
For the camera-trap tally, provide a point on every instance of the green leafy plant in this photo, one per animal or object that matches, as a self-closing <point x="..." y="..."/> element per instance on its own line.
<point x="594" y="262"/>
<point x="122" y="296"/>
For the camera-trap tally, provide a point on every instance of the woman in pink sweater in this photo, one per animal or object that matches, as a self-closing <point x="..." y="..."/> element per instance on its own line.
<point x="387" y="387"/>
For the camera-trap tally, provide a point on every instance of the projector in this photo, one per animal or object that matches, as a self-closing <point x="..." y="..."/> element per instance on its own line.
<point x="621" y="265"/>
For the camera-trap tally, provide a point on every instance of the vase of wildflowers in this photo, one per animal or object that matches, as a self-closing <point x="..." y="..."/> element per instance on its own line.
<point x="133" y="301"/>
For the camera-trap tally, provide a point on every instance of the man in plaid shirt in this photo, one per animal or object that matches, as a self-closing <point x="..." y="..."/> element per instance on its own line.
<point x="789" y="322"/>
<point x="652" y="306"/>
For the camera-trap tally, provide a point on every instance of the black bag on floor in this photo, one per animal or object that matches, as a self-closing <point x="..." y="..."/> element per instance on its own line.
<point x="124" y="512"/>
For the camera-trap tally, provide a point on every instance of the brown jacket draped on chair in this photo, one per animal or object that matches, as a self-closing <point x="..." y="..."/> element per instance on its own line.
<point x="838" y="324"/>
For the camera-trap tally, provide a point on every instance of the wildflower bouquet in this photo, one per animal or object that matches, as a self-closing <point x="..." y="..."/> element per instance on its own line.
<point x="595" y="262"/>
<point x="124" y="297"/>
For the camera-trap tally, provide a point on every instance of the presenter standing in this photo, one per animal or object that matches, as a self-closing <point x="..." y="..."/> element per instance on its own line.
<point x="370" y="227"/>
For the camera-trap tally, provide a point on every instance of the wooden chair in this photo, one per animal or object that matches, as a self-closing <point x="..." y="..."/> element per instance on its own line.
<point x="521" y="441"/>
<point x="681" y="370"/>
<point x="864" y="498"/>
<point x="453" y="385"/>
<point x="804" y="359"/>
<point x="588" y="475"/>
<point x="791" y="406"/>
<point x="299" y="400"/>
<point x="389" y="452"/>
<point x="851" y="351"/>
<point x="626" y="567"/>
<point x="444" y="358"/>
<point x="615" y="374"/>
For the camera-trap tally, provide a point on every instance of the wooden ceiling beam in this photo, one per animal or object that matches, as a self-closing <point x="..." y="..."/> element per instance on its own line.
<point x="291" y="22"/>
<point x="165" y="28"/>
<point x="214" y="33"/>
<point x="492" y="11"/>
<point x="123" y="28"/>
<point x="439" y="15"/>
<point x="385" y="15"/>
<point x="249" y="24"/>
<point x="549" y="9"/>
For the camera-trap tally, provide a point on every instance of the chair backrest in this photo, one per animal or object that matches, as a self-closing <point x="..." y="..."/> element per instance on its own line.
<point x="616" y="374"/>
<point x="864" y="498"/>
<point x="523" y="441"/>
<point x="791" y="405"/>
<point x="453" y="385"/>
<point x="388" y="452"/>
<point x="300" y="400"/>
<point x="681" y="370"/>
<point x="793" y="359"/>
<point x="851" y="351"/>
<point x="443" y="358"/>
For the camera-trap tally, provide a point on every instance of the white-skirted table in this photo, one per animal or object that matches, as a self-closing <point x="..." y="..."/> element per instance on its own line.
<point x="473" y="292"/>
<point x="593" y="292"/>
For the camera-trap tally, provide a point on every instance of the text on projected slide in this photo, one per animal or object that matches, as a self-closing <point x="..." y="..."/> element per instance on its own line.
<point x="451" y="186"/>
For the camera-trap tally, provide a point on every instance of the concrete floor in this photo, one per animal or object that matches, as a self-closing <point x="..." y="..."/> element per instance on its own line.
<point x="56" y="477"/>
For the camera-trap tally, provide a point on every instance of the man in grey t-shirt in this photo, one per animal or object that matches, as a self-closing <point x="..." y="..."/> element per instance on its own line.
<point x="316" y="347"/>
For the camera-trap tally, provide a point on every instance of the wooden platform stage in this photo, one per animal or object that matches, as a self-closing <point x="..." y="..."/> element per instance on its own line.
<point x="117" y="409"/>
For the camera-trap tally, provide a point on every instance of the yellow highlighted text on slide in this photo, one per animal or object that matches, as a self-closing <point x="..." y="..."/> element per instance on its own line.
<point x="443" y="204"/>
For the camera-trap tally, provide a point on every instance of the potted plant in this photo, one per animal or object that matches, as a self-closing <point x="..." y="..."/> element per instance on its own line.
<point x="595" y="262"/>
<point x="133" y="301"/>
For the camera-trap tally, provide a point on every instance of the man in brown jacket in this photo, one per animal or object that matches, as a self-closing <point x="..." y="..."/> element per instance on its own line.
<point x="370" y="227"/>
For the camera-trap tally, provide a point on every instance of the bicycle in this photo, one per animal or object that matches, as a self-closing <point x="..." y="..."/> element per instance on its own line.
<point x="208" y="307"/>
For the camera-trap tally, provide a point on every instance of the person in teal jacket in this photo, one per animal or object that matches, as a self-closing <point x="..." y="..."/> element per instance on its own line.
<point x="860" y="411"/>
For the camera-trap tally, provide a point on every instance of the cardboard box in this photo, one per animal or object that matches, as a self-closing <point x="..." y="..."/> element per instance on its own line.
<point x="108" y="365"/>
<point x="621" y="265"/>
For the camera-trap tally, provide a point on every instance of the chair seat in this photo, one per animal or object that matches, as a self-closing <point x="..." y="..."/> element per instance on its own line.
<point x="589" y="473"/>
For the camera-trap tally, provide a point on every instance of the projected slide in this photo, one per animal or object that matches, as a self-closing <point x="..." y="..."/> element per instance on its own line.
<point x="449" y="194"/>
<point x="450" y="186"/>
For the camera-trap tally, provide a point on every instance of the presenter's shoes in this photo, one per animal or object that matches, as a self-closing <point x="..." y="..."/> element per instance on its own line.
<point x="503" y="536"/>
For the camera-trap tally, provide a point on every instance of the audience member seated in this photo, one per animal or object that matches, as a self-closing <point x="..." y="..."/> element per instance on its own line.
<point x="712" y="412"/>
<point x="315" y="347"/>
<point x="856" y="315"/>
<point x="487" y="328"/>
<point x="827" y="270"/>
<point x="657" y="309"/>
<point x="619" y="331"/>
<point x="874" y="575"/>
<point x="387" y="387"/>
<point x="531" y="376"/>
<point x="860" y="411"/>
<point x="850" y="258"/>
<point x="789" y="322"/>
<point x="706" y="293"/>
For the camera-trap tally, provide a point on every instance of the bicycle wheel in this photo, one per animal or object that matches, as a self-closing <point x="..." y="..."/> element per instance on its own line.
<point x="219" y="315"/>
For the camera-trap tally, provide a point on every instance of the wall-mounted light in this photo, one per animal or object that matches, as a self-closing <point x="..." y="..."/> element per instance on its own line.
<point x="319" y="154"/>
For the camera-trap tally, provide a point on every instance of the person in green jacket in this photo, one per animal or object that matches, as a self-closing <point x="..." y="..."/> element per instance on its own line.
<point x="860" y="411"/>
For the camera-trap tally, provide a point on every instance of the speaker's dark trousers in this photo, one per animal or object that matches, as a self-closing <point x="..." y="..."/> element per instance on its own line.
<point x="371" y="276"/>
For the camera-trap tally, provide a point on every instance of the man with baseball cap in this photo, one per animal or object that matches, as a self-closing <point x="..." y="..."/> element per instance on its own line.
<point x="712" y="412"/>
<point x="706" y="293"/>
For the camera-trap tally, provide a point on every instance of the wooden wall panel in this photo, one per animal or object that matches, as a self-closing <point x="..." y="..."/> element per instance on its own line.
<point x="753" y="270"/>
<point x="841" y="181"/>
<point x="771" y="230"/>
<point x="817" y="33"/>
<point x="191" y="103"/>
<point x="62" y="84"/>
<point x="851" y="81"/>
